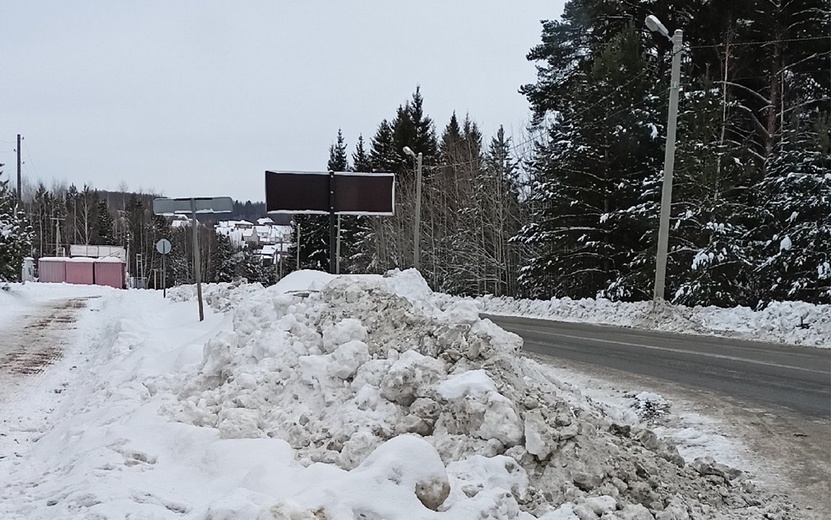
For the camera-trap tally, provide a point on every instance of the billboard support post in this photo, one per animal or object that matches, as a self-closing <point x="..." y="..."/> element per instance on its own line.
<point x="332" y="252"/>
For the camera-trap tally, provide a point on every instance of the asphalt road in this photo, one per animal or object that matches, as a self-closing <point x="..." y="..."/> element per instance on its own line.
<point x="798" y="378"/>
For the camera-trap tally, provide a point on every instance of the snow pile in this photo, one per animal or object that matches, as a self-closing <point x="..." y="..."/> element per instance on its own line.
<point x="329" y="398"/>
<point x="433" y="409"/>
<point x="796" y="323"/>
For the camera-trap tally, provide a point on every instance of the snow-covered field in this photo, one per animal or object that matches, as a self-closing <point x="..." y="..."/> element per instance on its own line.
<point x="333" y="398"/>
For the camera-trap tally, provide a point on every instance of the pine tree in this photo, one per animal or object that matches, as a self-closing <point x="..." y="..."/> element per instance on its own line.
<point x="15" y="234"/>
<point x="593" y="172"/>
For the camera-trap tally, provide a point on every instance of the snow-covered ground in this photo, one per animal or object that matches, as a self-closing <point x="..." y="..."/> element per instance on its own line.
<point x="795" y="323"/>
<point x="335" y="398"/>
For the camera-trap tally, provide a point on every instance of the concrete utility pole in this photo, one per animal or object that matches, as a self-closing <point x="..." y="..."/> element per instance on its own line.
<point x="669" y="155"/>
<point x="58" y="221"/>
<point x="417" y="227"/>
<point x="19" y="192"/>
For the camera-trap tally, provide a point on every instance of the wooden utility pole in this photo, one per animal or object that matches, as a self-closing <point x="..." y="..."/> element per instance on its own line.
<point x="197" y="267"/>
<point x="19" y="200"/>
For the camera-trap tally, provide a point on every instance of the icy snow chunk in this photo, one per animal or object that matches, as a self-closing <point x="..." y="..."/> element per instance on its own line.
<point x="486" y="339"/>
<point x="477" y="408"/>
<point x="413" y="463"/>
<point x="409" y="284"/>
<point x="472" y="382"/>
<point x="462" y="311"/>
<point x="564" y="512"/>
<point x="347" y="358"/>
<point x="410" y="376"/>
<point x="501" y="421"/>
<point x="238" y="423"/>
<point x="301" y="281"/>
<point x="477" y="473"/>
<point x="314" y="369"/>
<point x="601" y="504"/>
<point x="217" y="355"/>
<point x="539" y="440"/>
<point x="349" y="329"/>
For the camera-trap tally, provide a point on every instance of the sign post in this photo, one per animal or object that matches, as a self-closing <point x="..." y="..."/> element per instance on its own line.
<point x="332" y="193"/>
<point x="194" y="205"/>
<point x="163" y="247"/>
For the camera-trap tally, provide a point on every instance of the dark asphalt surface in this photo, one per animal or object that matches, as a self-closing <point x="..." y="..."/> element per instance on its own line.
<point x="798" y="378"/>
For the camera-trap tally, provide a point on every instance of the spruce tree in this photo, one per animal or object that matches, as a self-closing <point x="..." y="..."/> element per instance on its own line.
<point x="412" y="128"/>
<point x="15" y="234"/>
<point x="793" y="243"/>
<point x="104" y="223"/>
<point x="594" y="174"/>
<point x="363" y="258"/>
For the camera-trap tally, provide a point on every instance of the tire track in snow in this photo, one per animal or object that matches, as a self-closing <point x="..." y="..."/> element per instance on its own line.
<point x="34" y="341"/>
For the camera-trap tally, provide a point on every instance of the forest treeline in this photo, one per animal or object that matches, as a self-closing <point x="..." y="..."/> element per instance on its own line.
<point x="571" y="208"/>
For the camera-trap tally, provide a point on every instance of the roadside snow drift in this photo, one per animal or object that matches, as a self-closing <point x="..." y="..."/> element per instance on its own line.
<point x="796" y="323"/>
<point x="368" y="399"/>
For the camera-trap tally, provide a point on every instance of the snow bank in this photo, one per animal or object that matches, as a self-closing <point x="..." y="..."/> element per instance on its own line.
<point x="796" y="323"/>
<point x="370" y="398"/>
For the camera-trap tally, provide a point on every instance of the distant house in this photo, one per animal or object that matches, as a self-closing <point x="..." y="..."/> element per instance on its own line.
<point x="179" y="221"/>
<point x="269" y="240"/>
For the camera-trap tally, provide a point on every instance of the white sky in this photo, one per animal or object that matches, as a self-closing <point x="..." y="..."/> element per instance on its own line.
<point x="200" y="97"/>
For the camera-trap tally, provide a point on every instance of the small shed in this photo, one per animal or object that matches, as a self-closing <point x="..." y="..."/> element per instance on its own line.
<point x="52" y="269"/>
<point x="110" y="271"/>
<point x="80" y="270"/>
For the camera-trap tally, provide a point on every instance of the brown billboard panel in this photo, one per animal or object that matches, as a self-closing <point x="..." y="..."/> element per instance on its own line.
<point x="364" y="193"/>
<point x="356" y="193"/>
<point x="297" y="192"/>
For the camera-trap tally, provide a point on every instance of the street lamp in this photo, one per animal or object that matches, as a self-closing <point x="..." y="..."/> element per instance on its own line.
<point x="417" y="230"/>
<point x="655" y="25"/>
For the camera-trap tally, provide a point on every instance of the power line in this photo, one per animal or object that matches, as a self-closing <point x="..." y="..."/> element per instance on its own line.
<point x="762" y="42"/>
<point x="31" y="161"/>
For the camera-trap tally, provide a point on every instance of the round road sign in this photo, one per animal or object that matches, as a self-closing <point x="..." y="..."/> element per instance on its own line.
<point x="163" y="246"/>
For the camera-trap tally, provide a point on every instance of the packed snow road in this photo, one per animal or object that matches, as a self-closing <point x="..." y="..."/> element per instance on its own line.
<point x="33" y="340"/>
<point x="766" y="374"/>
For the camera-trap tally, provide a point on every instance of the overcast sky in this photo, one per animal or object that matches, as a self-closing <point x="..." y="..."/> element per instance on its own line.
<point x="200" y="97"/>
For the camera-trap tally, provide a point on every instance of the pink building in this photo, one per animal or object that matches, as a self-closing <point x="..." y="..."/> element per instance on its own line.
<point x="52" y="269"/>
<point x="109" y="271"/>
<point x="80" y="270"/>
